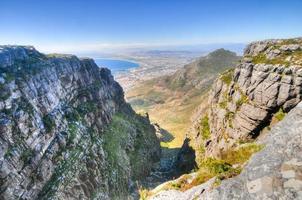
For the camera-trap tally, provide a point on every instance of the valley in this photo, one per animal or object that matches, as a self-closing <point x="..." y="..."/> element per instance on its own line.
<point x="150" y="100"/>
<point x="170" y="100"/>
<point x="215" y="124"/>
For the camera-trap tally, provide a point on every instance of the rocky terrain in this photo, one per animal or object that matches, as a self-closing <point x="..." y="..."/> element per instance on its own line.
<point x="273" y="173"/>
<point x="66" y="131"/>
<point x="262" y="88"/>
<point x="251" y="108"/>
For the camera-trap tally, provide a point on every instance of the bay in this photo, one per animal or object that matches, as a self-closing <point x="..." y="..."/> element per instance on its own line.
<point x="115" y="65"/>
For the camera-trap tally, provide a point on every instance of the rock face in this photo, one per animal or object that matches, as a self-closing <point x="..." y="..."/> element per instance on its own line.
<point x="66" y="131"/>
<point x="273" y="173"/>
<point x="243" y="106"/>
<point x="243" y="101"/>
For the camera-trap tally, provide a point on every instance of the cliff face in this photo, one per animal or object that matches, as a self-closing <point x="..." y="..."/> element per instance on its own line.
<point x="273" y="173"/>
<point x="254" y="107"/>
<point x="244" y="102"/>
<point x="66" y="131"/>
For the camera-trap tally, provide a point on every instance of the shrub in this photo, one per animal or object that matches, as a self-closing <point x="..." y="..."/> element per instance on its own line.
<point x="72" y="130"/>
<point x="48" y="122"/>
<point x="26" y="156"/>
<point x="280" y="114"/>
<point x="215" y="166"/>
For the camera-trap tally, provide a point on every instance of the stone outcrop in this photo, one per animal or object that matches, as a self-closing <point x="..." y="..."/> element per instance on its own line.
<point x="66" y="131"/>
<point x="273" y="173"/>
<point x="243" y="106"/>
<point x="245" y="100"/>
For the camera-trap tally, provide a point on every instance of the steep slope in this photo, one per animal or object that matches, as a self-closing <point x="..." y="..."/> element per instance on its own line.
<point x="170" y="100"/>
<point x="66" y="131"/>
<point x="264" y="86"/>
<point x="244" y="105"/>
<point x="273" y="173"/>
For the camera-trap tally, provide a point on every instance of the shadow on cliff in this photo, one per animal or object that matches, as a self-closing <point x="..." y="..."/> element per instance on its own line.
<point x="185" y="161"/>
<point x="162" y="134"/>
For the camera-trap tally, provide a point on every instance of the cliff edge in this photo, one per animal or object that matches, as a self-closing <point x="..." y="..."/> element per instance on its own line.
<point x="66" y="131"/>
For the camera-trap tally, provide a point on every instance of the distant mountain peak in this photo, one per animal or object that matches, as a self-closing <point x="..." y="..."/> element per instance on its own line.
<point x="221" y="51"/>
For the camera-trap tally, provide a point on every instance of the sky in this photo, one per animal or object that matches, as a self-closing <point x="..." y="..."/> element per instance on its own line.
<point x="99" y="25"/>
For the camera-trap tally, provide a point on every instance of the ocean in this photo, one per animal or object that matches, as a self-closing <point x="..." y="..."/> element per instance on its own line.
<point x="116" y="66"/>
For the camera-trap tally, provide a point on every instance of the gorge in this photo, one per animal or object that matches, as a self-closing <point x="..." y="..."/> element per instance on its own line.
<point x="66" y="131"/>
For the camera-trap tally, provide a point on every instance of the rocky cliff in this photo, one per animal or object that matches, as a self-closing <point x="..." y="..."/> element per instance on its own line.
<point x="273" y="173"/>
<point x="240" y="118"/>
<point x="246" y="101"/>
<point x="66" y="131"/>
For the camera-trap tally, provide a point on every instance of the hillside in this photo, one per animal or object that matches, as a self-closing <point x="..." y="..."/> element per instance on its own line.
<point x="170" y="100"/>
<point x="66" y="131"/>
<point x="252" y="108"/>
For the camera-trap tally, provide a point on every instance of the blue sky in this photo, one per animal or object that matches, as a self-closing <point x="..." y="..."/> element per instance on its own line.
<point x="57" y="25"/>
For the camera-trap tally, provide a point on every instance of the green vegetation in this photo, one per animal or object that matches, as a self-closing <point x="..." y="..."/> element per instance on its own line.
<point x="143" y="193"/>
<point x="87" y="107"/>
<point x="242" y="154"/>
<point x="66" y="167"/>
<point x="26" y="156"/>
<point x="243" y="99"/>
<point x="219" y="168"/>
<point x="227" y="76"/>
<point x="48" y="122"/>
<point x="223" y="104"/>
<point x="114" y="136"/>
<point x="9" y="152"/>
<point x="280" y="59"/>
<point x="205" y="128"/>
<point x="226" y="99"/>
<point x="72" y="130"/>
<point x="209" y="168"/>
<point x="117" y="132"/>
<point x="73" y="116"/>
<point x="171" y="100"/>
<point x="290" y="41"/>
<point x="280" y="114"/>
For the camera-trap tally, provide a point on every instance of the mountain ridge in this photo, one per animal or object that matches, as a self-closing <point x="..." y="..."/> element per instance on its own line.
<point x="170" y="100"/>
<point x="244" y="115"/>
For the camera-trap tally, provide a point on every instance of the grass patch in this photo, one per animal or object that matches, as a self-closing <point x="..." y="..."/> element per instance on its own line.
<point x="280" y="114"/>
<point x="223" y="104"/>
<point x="241" y="154"/>
<point x="227" y="76"/>
<point x="243" y="99"/>
<point x="209" y="168"/>
<point x="205" y="128"/>
<point x="219" y="168"/>
<point x="280" y="59"/>
<point x="144" y="193"/>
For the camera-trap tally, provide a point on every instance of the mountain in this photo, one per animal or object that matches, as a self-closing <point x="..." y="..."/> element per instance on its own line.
<point x="255" y="107"/>
<point x="66" y="130"/>
<point x="170" y="100"/>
